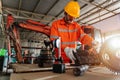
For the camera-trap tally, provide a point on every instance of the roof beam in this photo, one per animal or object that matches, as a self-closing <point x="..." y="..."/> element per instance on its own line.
<point x="98" y="11"/>
<point x="105" y="18"/>
<point x="0" y="6"/>
<point x="85" y="1"/>
<point x="26" y="12"/>
<point x="11" y="10"/>
<point x="55" y="16"/>
<point x="100" y="15"/>
<point x="19" y="6"/>
<point x="94" y="8"/>
<point x="1" y="18"/>
<point x="25" y="18"/>
<point x="51" y="8"/>
<point x="36" y="7"/>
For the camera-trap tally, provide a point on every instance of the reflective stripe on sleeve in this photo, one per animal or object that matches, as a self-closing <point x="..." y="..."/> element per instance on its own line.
<point x="81" y="36"/>
<point x="68" y="43"/>
<point x="55" y="37"/>
<point x="65" y="30"/>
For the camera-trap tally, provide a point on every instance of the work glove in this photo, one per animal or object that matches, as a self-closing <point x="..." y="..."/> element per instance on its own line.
<point x="69" y="53"/>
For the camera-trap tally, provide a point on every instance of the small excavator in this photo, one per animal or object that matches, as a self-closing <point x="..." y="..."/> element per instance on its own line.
<point x="84" y="56"/>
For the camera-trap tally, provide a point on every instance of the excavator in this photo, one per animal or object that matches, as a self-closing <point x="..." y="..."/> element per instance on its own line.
<point x="84" y="56"/>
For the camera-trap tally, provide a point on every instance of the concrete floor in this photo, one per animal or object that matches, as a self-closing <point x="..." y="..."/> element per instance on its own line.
<point x="95" y="73"/>
<point x="4" y="76"/>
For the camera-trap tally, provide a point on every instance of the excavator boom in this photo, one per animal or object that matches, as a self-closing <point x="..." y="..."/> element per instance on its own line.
<point x="12" y="33"/>
<point x="31" y="25"/>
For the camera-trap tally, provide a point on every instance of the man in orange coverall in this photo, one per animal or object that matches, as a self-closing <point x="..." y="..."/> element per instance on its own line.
<point x="69" y="31"/>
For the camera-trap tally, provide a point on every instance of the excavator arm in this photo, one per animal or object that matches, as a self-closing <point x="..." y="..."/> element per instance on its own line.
<point x="12" y="33"/>
<point x="35" y="26"/>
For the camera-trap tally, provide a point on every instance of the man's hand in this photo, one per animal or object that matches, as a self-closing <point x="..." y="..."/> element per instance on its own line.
<point x="69" y="53"/>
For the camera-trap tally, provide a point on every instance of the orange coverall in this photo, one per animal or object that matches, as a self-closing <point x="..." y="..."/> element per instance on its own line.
<point x="86" y="40"/>
<point x="69" y="33"/>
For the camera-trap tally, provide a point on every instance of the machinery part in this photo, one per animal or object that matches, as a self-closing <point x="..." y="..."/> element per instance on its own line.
<point x="60" y="60"/>
<point x="13" y="33"/>
<point x="80" y="70"/>
<point x="38" y="28"/>
<point x="1" y="62"/>
<point x="48" y="45"/>
<point x="56" y="43"/>
<point x="59" y="68"/>
<point x="30" y="25"/>
<point x="85" y="57"/>
<point x="110" y="53"/>
<point x="45" y="59"/>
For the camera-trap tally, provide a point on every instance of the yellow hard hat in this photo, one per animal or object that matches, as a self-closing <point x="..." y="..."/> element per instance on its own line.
<point x="73" y="9"/>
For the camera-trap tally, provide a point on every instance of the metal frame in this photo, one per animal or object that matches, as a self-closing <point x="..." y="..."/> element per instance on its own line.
<point x="41" y="17"/>
<point x="23" y="15"/>
<point x="101" y="8"/>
